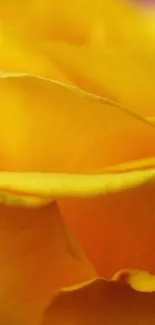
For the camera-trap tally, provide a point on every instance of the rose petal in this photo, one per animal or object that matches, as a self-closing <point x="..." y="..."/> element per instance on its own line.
<point x="124" y="76"/>
<point x="19" y="53"/>
<point x="116" y="230"/>
<point x="38" y="256"/>
<point x="101" y="301"/>
<point x="25" y="147"/>
<point x="141" y="281"/>
<point x="78" y="22"/>
<point x="48" y="127"/>
<point x="37" y="189"/>
<point x="151" y="119"/>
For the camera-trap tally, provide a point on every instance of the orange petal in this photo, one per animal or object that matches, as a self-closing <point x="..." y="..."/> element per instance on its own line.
<point x="37" y="256"/>
<point x="151" y="119"/>
<point x="116" y="230"/>
<point x="48" y="127"/>
<point x="102" y="302"/>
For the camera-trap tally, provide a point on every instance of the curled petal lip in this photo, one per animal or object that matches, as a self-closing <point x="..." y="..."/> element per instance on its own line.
<point x="101" y="296"/>
<point x="49" y="186"/>
<point x="78" y="113"/>
<point x="114" y="181"/>
<point x="138" y="280"/>
<point x="68" y="183"/>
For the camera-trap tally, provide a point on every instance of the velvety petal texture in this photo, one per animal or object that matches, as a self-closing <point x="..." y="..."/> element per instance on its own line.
<point x="93" y="52"/>
<point x="100" y="302"/>
<point x="77" y="159"/>
<point x="38" y="112"/>
<point x="79" y="22"/>
<point x="120" y="225"/>
<point x="124" y="76"/>
<point x="38" y="256"/>
<point x="26" y="55"/>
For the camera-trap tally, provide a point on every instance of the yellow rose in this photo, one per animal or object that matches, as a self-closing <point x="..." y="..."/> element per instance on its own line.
<point x="106" y="47"/>
<point x="68" y="156"/>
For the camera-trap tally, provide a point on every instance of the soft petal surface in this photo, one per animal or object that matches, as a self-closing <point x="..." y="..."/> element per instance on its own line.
<point x="126" y="77"/>
<point x="85" y="133"/>
<point x="20" y="53"/>
<point x="37" y="256"/>
<point x="151" y="119"/>
<point x="37" y="189"/>
<point x="79" y="22"/>
<point x="44" y="187"/>
<point x="116" y="230"/>
<point x="99" y="302"/>
<point x="122" y="65"/>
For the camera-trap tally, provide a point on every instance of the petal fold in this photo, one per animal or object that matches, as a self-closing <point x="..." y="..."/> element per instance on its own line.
<point x="125" y="76"/>
<point x="65" y="130"/>
<point x="38" y="256"/>
<point x="100" y="301"/>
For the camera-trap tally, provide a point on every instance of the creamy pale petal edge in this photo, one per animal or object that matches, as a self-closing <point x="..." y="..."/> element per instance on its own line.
<point x="36" y="189"/>
<point x="129" y="295"/>
<point x="138" y="280"/>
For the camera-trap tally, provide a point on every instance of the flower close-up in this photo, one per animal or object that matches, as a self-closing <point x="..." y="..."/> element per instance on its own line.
<point x="77" y="167"/>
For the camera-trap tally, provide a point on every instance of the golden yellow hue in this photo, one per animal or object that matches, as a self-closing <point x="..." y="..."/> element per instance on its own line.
<point x="49" y="186"/>
<point x="77" y="152"/>
<point x="83" y="44"/>
<point x="26" y="56"/>
<point x="73" y="122"/>
<point x="123" y="212"/>
<point x="79" y="22"/>
<point x="125" y="76"/>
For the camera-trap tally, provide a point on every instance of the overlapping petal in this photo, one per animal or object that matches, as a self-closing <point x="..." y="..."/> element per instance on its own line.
<point x="38" y="256"/>
<point x="20" y="53"/>
<point x="121" y="228"/>
<point x="94" y="155"/>
<point x="100" y="301"/>
<point x="78" y="22"/>
<point x="74" y="121"/>
<point x="125" y="76"/>
<point x="113" y="61"/>
<point x="47" y="122"/>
